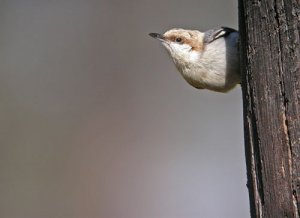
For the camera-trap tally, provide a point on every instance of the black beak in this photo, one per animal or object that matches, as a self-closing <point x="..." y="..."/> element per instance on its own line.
<point x="157" y="36"/>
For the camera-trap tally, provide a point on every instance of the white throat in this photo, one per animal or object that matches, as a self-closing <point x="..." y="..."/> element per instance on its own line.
<point x="182" y="53"/>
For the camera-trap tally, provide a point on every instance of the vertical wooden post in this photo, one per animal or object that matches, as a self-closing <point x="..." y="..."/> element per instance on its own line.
<point x="270" y="62"/>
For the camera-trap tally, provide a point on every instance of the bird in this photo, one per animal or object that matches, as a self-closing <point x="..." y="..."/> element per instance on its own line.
<point x="206" y="60"/>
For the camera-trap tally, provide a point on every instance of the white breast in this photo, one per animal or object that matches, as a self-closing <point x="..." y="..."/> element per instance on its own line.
<point x="216" y="68"/>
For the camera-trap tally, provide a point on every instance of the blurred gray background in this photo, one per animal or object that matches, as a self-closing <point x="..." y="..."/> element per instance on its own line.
<point x="96" y="122"/>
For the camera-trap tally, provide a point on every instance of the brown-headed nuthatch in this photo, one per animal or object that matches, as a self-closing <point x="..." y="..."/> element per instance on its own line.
<point x="206" y="60"/>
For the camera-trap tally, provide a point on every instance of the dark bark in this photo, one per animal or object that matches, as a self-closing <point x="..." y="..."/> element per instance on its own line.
<point x="270" y="62"/>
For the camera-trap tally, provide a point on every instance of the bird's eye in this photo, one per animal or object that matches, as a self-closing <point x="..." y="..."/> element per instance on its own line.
<point x="178" y="39"/>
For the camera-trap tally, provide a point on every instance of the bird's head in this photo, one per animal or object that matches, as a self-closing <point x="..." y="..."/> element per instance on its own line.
<point x="181" y="43"/>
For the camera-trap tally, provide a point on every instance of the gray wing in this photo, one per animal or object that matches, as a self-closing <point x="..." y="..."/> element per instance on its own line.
<point x="213" y="34"/>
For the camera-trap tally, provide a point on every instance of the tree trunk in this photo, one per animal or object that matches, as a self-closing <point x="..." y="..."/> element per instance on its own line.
<point x="270" y="62"/>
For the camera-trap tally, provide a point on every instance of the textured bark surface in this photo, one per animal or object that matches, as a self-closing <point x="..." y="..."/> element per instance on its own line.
<point x="270" y="56"/>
